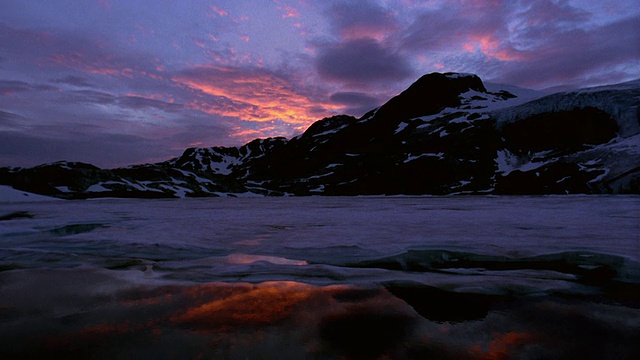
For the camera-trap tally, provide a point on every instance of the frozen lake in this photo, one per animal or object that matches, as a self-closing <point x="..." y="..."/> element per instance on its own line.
<point x="310" y="277"/>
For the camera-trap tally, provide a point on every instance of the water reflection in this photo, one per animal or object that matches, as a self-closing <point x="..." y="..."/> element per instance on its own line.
<point x="249" y="259"/>
<point x="285" y="319"/>
<point x="247" y="306"/>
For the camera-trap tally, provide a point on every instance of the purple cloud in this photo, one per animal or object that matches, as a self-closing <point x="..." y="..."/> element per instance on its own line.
<point x="591" y="55"/>
<point x="362" y="19"/>
<point x="8" y="87"/>
<point x="139" y="102"/>
<point x="9" y="120"/>
<point x="362" y="61"/>
<point x="77" y="81"/>
<point x="357" y="103"/>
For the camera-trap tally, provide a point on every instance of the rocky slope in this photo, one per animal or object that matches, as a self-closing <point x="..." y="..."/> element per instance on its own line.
<point x="445" y="134"/>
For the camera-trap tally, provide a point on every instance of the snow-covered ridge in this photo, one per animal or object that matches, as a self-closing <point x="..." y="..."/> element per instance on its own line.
<point x="212" y="160"/>
<point x="223" y="160"/>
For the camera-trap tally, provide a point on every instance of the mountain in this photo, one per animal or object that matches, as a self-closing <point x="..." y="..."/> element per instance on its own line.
<point x="446" y="134"/>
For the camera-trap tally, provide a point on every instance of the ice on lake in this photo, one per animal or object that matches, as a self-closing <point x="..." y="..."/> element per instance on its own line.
<point x="322" y="277"/>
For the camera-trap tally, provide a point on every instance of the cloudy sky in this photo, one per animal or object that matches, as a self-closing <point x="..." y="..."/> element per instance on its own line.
<point x="119" y="82"/>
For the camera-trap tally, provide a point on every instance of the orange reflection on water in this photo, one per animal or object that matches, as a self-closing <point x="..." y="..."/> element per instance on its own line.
<point x="503" y="346"/>
<point x="249" y="305"/>
<point x="214" y="309"/>
<point x="291" y="320"/>
<point x="247" y="319"/>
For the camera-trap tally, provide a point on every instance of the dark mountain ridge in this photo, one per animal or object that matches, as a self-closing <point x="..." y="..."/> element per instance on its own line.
<point x="445" y="134"/>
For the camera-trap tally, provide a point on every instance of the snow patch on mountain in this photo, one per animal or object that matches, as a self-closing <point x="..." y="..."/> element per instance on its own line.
<point x="224" y="167"/>
<point x="205" y="159"/>
<point x="401" y="127"/>
<point x="330" y="131"/>
<point x="97" y="188"/>
<point x="615" y="159"/>
<point x="179" y="191"/>
<point x="508" y="162"/>
<point x="411" y="157"/>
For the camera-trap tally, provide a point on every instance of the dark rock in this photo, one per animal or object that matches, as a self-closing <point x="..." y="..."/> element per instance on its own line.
<point x="327" y="125"/>
<point x="430" y="95"/>
<point x="563" y="131"/>
<point x="445" y="306"/>
<point x="365" y="333"/>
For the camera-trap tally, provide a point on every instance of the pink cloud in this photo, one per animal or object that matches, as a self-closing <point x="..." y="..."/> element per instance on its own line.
<point x="102" y="59"/>
<point x="216" y="10"/>
<point x="255" y="95"/>
<point x="144" y="30"/>
<point x="289" y="11"/>
<point x="88" y="63"/>
<point x="199" y="43"/>
<point x="491" y="46"/>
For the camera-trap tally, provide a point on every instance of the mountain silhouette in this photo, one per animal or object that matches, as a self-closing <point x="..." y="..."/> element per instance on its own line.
<point x="446" y="134"/>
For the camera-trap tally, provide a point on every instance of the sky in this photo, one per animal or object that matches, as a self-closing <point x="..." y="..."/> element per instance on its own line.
<point x="120" y="82"/>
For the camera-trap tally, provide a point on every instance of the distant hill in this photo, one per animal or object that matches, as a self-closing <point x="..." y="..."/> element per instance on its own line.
<point x="445" y="134"/>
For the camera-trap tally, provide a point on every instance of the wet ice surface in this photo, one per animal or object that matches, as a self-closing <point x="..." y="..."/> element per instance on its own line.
<point x="444" y="277"/>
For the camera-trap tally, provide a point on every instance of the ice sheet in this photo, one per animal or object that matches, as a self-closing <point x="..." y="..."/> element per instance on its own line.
<point x="310" y="277"/>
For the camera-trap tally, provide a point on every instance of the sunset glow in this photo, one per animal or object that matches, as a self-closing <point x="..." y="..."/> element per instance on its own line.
<point x="223" y="73"/>
<point x="491" y="47"/>
<point x="254" y="96"/>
